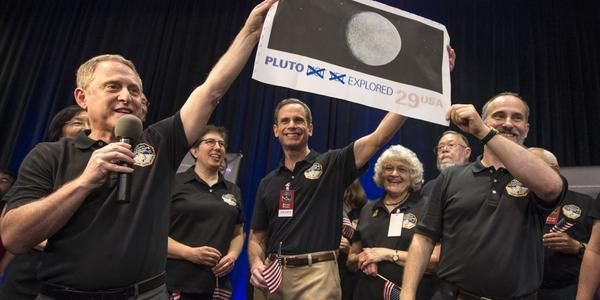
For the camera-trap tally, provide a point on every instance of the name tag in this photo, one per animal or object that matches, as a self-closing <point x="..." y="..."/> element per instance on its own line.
<point x="396" y="221"/>
<point x="286" y="203"/>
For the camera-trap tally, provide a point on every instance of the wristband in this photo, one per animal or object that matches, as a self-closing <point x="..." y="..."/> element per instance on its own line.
<point x="489" y="136"/>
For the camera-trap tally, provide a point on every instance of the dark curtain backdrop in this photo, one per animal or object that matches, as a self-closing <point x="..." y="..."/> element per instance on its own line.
<point x="548" y="51"/>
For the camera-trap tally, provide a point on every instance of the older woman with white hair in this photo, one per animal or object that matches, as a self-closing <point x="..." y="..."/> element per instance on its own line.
<point x="386" y="226"/>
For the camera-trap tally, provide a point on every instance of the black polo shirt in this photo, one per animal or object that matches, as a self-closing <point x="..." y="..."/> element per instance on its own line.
<point x="562" y="269"/>
<point x="201" y="215"/>
<point x="20" y="279"/>
<point x="319" y="181"/>
<point x="595" y="211"/>
<point x="490" y="227"/>
<point x="372" y="230"/>
<point x="427" y="189"/>
<point x="106" y="244"/>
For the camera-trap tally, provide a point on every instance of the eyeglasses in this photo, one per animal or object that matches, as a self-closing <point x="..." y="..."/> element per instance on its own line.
<point x="389" y="169"/>
<point x="450" y="146"/>
<point x="213" y="142"/>
<point x="77" y="123"/>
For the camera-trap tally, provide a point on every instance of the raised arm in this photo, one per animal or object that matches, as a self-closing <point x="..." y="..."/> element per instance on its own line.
<point x="522" y="164"/>
<point x="202" y="101"/>
<point x="367" y="145"/>
<point x="419" y="255"/>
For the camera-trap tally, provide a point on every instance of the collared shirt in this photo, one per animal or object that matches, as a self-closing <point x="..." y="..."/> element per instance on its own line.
<point x="562" y="269"/>
<point x="318" y="181"/>
<point x="201" y="215"/>
<point x="373" y="227"/>
<point x="106" y="244"/>
<point x="490" y="227"/>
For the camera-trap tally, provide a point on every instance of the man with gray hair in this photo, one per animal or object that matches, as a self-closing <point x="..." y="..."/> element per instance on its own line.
<point x="66" y="192"/>
<point x="564" y="248"/>
<point x="497" y="202"/>
<point x="452" y="149"/>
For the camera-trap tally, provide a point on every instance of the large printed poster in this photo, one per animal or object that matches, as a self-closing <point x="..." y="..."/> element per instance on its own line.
<point x="361" y="51"/>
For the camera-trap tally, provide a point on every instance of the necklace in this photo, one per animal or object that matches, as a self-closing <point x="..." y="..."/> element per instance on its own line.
<point x="397" y="202"/>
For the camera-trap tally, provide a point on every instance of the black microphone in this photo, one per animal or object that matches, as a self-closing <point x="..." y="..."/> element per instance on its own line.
<point x="128" y="130"/>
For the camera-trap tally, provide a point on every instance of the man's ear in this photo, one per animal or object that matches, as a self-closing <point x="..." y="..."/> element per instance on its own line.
<point x="79" y="94"/>
<point x="275" y="131"/>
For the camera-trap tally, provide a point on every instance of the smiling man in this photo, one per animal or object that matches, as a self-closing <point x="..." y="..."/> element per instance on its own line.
<point x="489" y="214"/>
<point x="298" y="207"/>
<point x="66" y="191"/>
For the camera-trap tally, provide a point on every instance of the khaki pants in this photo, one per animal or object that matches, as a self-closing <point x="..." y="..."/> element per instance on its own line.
<point x="317" y="281"/>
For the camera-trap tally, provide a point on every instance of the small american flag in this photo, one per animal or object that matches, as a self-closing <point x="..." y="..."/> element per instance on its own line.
<point x="347" y="229"/>
<point x="175" y="295"/>
<point x="220" y="293"/>
<point x="391" y="291"/>
<point x="272" y="275"/>
<point x="562" y="226"/>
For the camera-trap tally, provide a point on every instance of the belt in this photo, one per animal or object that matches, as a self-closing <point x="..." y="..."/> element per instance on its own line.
<point x="306" y="259"/>
<point x="451" y="291"/>
<point x="63" y="292"/>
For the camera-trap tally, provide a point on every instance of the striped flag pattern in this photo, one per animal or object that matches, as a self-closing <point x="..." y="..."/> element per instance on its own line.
<point x="175" y="295"/>
<point x="562" y="226"/>
<point x="221" y="294"/>
<point x="391" y="291"/>
<point x="272" y="275"/>
<point x="347" y="229"/>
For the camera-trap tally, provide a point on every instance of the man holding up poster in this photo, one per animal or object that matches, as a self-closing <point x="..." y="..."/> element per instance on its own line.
<point x="298" y="209"/>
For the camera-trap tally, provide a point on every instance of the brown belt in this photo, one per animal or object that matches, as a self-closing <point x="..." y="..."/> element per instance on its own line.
<point x="306" y="259"/>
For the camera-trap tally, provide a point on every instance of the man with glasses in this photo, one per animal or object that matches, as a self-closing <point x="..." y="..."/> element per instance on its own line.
<point x="298" y="208"/>
<point x="452" y="149"/>
<point x="489" y="214"/>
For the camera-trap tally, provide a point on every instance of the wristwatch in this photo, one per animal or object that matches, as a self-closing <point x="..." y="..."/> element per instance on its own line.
<point x="581" y="249"/>
<point x="395" y="256"/>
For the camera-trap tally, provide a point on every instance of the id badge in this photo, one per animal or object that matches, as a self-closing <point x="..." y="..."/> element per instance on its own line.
<point x="395" y="228"/>
<point x="286" y="203"/>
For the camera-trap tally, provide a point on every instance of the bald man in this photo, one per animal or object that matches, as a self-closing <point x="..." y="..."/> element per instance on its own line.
<point x="563" y="251"/>
<point x="488" y="214"/>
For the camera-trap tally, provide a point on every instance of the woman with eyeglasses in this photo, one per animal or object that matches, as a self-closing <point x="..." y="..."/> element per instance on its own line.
<point x="386" y="226"/>
<point x="68" y="123"/>
<point x="206" y="233"/>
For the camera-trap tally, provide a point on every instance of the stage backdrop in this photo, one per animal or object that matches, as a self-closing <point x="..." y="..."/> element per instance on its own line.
<point x="545" y="50"/>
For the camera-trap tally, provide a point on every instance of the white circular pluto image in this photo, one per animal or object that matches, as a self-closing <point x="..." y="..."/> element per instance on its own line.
<point x="372" y="38"/>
